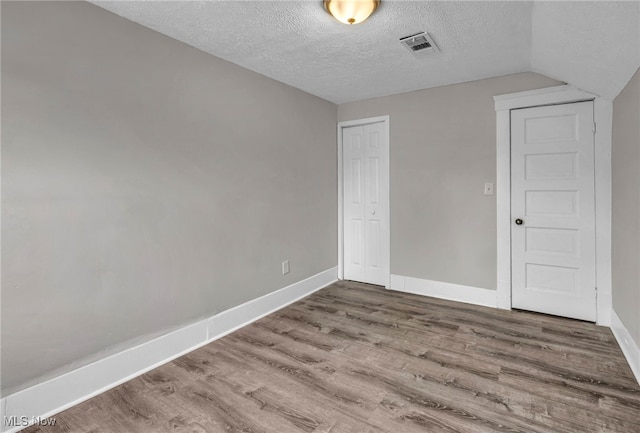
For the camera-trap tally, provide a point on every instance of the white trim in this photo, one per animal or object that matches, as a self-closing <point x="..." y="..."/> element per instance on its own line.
<point x="347" y="124"/>
<point x="361" y="122"/>
<point x="48" y="398"/>
<point x="603" y="118"/>
<point x="503" y="203"/>
<point x="340" y="204"/>
<point x="442" y="290"/>
<point x="628" y="345"/>
<point x="547" y="96"/>
<point x="235" y="318"/>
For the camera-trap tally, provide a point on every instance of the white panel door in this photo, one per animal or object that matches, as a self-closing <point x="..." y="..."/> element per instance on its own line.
<point x="365" y="203"/>
<point x="553" y="210"/>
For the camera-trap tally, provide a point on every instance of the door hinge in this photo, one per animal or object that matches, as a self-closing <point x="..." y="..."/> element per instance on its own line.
<point x="594" y="127"/>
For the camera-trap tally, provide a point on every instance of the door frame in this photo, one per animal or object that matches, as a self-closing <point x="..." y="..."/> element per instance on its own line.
<point x="387" y="228"/>
<point x="603" y="110"/>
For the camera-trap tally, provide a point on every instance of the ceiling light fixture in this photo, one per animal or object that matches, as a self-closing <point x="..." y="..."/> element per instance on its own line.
<point x="351" y="11"/>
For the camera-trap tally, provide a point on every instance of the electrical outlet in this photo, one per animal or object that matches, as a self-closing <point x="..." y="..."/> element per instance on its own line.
<point x="488" y="188"/>
<point x="285" y="267"/>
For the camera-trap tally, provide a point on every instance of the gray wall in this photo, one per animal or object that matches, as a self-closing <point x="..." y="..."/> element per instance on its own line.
<point x="145" y="185"/>
<point x="443" y="150"/>
<point x="625" y="242"/>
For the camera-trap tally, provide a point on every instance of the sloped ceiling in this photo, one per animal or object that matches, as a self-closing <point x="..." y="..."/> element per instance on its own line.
<point x="592" y="45"/>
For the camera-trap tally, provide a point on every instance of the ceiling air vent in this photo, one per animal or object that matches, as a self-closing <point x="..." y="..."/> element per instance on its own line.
<point x="419" y="43"/>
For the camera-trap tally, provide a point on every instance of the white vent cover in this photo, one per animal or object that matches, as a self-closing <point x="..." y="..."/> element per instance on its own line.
<point x="419" y="43"/>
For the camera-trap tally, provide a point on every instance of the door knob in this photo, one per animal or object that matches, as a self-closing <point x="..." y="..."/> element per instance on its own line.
<point x="373" y="212"/>
<point x="519" y="221"/>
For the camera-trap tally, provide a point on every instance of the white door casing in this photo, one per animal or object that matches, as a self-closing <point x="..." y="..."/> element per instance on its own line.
<point x="364" y="187"/>
<point x="603" y="115"/>
<point x="552" y="210"/>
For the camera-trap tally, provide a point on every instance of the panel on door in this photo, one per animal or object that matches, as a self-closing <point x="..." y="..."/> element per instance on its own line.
<point x="365" y="203"/>
<point x="353" y="203"/>
<point x="553" y="210"/>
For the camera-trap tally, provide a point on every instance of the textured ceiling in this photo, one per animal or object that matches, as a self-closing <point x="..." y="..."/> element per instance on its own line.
<point x="296" y="42"/>
<point x="594" y="46"/>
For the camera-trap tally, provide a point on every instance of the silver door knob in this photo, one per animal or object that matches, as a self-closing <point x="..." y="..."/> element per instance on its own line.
<point x="373" y="212"/>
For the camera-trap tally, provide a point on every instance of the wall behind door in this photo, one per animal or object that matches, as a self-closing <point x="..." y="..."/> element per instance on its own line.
<point x="145" y="185"/>
<point x="442" y="151"/>
<point x="625" y="224"/>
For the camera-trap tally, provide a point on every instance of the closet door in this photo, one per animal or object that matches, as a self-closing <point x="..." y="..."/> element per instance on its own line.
<point x="365" y="203"/>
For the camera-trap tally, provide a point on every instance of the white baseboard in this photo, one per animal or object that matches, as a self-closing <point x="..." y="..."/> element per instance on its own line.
<point x="629" y="347"/>
<point x="55" y="395"/>
<point x="449" y="291"/>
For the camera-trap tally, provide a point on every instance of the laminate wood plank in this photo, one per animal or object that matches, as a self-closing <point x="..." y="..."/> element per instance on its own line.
<point x="454" y="394"/>
<point x="356" y="358"/>
<point x="341" y="421"/>
<point x="316" y="382"/>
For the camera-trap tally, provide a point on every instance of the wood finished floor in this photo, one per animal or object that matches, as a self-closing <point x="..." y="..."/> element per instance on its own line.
<point x="354" y="358"/>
